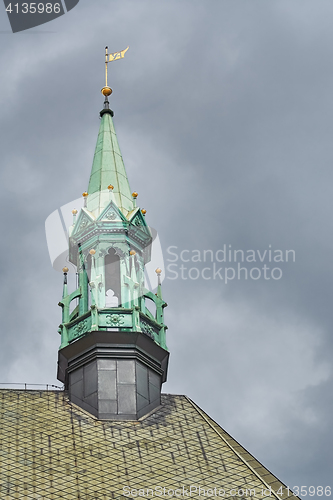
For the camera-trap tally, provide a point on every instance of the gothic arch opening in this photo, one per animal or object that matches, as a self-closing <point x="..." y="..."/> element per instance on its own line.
<point x="112" y="279"/>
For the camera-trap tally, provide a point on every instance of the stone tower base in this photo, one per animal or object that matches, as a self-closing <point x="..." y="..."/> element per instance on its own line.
<point x="114" y="375"/>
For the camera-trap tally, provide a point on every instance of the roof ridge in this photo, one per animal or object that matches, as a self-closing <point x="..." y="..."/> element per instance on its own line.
<point x="203" y="415"/>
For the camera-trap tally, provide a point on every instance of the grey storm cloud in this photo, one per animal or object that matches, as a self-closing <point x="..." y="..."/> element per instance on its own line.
<point x="224" y="115"/>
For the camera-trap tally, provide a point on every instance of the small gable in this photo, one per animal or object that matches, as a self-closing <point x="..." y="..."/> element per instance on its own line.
<point x="111" y="213"/>
<point x="84" y="220"/>
<point x="138" y="220"/>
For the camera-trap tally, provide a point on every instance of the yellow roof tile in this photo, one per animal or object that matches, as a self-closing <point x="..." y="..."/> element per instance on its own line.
<point x="50" y="449"/>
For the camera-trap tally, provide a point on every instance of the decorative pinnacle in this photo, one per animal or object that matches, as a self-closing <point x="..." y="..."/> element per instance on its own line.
<point x="110" y="187"/>
<point x="74" y="212"/>
<point x="85" y="198"/>
<point x="143" y="211"/>
<point x="92" y="251"/>
<point x="65" y="271"/>
<point x="135" y="195"/>
<point x="132" y="252"/>
<point x="158" y="272"/>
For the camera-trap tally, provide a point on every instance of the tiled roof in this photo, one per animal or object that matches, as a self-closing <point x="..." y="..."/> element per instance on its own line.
<point x="51" y="449"/>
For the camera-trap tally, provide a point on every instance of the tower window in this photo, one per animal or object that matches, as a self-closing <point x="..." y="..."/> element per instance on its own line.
<point x="112" y="279"/>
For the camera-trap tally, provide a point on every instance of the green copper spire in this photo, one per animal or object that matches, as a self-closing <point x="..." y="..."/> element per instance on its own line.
<point x="110" y="244"/>
<point x="108" y="168"/>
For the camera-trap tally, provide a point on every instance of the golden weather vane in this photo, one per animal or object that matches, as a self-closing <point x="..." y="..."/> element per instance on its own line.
<point x="106" y="91"/>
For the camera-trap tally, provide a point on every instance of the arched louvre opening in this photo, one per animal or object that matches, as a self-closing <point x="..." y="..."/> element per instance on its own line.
<point x="150" y="307"/>
<point x="112" y="279"/>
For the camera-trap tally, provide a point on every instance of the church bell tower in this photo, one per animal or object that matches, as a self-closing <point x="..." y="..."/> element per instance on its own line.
<point x="113" y="356"/>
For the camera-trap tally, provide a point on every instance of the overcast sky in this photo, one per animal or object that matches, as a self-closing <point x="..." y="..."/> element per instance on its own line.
<point x="224" y="115"/>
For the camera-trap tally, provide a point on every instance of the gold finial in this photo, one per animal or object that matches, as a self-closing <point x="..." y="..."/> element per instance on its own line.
<point x="110" y="187"/>
<point x="158" y="271"/>
<point x="143" y="211"/>
<point x="132" y="252"/>
<point x="85" y="194"/>
<point x="92" y="251"/>
<point x="65" y="270"/>
<point x="74" y="212"/>
<point x="106" y="91"/>
<point x="135" y="195"/>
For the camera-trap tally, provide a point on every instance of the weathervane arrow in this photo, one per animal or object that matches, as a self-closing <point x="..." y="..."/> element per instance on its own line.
<point x="106" y="91"/>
